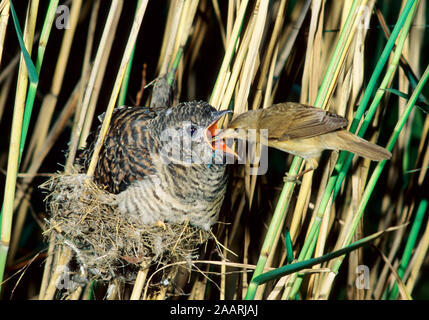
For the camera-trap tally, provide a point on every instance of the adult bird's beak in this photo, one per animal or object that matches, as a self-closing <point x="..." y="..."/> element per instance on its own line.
<point x="227" y="133"/>
<point x="211" y="132"/>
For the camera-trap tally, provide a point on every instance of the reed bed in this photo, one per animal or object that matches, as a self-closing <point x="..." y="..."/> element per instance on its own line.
<point x="351" y="229"/>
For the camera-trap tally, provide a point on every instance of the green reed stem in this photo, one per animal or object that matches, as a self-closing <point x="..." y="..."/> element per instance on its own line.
<point x="411" y="241"/>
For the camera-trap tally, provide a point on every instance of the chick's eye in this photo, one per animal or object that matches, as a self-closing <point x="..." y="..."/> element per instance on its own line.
<point x="192" y="129"/>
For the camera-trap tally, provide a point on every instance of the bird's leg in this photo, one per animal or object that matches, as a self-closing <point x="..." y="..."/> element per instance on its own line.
<point x="311" y="165"/>
<point x="295" y="178"/>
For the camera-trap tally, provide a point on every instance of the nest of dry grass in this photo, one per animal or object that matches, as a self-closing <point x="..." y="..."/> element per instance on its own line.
<point x="105" y="243"/>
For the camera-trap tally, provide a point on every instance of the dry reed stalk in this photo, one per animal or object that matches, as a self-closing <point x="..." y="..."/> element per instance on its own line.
<point x="301" y="206"/>
<point x="19" y="220"/>
<point x="230" y="48"/>
<point x="251" y="63"/>
<point x="140" y="280"/>
<point x="75" y="295"/>
<point x="397" y="239"/>
<point x="319" y="251"/>
<point x="269" y="58"/>
<point x="223" y="268"/>
<point x="113" y="292"/>
<point x="347" y="45"/>
<point x="310" y="68"/>
<point x="50" y="100"/>
<point x="306" y="82"/>
<point x="424" y="157"/>
<point x="238" y="214"/>
<point x="268" y="96"/>
<point x="63" y="257"/>
<point x="117" y="85"/>
<point x="170" y="33"/>
<point x="382" y="276"/>
<point x="229" y="21"/>
<point x="198" y="289"/>
<point x="47" y="268"/>
<point x="231" y="77"/>
<point x="289" y="35"/>
<point x="15" y="139"/>
<point x="355" y="257"/>
<point x="358" y="64"/>
<point x="245" y="260"/>
<point x="261" y="289"/>
<point x="411" y="47"/>
<point x="86" y="68"/>
<point x="91" y="83"/>
<point x="362" y="9"/>
<point x="274" y="294"/>
<point x="99" y="79"/>
<point x="161" y="295"/>
<point x="312" y="51"/>
<point x="4" y="18"/>
<point x="57" y="128"/>
<point x="184" y="28"/>
<point x="402" y="290"/>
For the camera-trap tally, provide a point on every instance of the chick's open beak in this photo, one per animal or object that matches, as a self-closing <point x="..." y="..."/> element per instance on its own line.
<point x="211" y="132"/>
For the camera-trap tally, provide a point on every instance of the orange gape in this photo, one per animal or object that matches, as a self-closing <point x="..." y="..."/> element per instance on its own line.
<point x="218" y="144"/>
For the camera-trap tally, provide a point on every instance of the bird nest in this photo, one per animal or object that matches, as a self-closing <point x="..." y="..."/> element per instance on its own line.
<point x="105" y="243"/>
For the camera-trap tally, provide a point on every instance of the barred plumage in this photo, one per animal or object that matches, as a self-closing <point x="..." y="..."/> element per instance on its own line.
<point x="152" y="184"/>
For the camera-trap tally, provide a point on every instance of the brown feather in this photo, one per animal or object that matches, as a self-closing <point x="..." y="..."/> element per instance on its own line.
<point x="293" y="120"/>
<point x="125" y="155"/>
<point x="290" y="120"/>
<point x="345" y="140"/>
